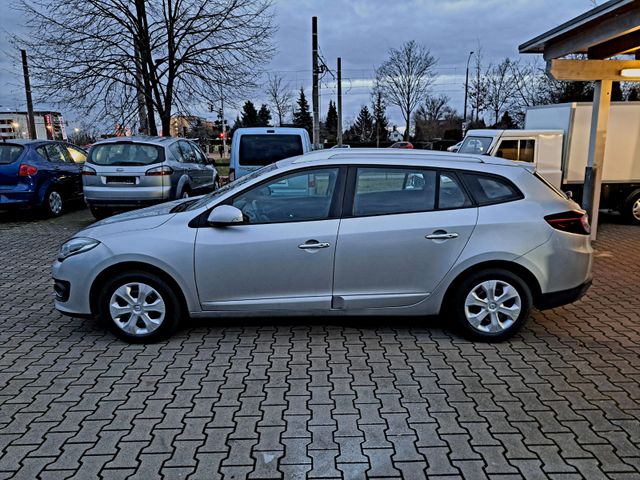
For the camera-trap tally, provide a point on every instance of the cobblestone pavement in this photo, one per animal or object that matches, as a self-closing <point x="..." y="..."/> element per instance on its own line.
<point x="320" y="399"/>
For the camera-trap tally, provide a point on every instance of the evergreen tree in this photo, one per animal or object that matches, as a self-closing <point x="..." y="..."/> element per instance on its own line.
<point x="301" y="116"/>
<point x="332" y="122"/>
<point x="249" y="115"/>
<point x="380" y="120"/>
<point x="364" y="125"/>
<point x="264" y="116"/>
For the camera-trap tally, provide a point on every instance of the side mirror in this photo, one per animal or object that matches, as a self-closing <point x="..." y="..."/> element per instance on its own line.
<point x="224" y="215"/>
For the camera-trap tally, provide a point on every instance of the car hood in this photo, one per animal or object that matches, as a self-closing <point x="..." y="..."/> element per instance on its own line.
<point x="141" y="219"/>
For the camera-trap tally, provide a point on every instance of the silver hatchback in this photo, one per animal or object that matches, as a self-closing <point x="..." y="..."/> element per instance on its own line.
<point x="478" y="239"/>
<point x="126" y="172"/>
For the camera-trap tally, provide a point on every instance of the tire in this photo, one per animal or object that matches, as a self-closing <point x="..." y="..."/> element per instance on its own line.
<point x="53" y="204"/>
<point x="155" y="322"/>
<point x="492" y="323"/>
<point x="186" y="193"/>
<point x="100" y="213"/>
<point x="216" y="184"/>
<point x="632" y="210"/>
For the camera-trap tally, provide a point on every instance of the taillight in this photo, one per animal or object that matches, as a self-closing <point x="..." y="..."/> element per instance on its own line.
<point x="159" y="171"/>
<point x="27" y="170"/>
<point x="232" y="174"/>
<point x="572" y="222"/>
<point x="88" y="171"/>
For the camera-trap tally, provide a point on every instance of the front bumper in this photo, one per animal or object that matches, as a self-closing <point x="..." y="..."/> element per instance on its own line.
<point x="563" y="297"/>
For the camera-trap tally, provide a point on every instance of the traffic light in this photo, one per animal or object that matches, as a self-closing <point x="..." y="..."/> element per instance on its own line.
<point x="221" y="136"/>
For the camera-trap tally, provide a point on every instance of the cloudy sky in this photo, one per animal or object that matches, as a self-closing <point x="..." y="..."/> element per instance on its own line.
<point x="361" y="32"/>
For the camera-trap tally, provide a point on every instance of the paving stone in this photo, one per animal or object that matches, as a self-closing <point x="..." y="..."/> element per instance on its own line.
<point x="307" y="398"/>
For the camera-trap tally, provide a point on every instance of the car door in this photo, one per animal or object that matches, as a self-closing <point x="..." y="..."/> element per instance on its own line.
<point x="192" y="165"/>
<point x="75" y="159"/>
<point x="61" y="168"/>
<point x="401" y="232"/>
<point x="206" y="169"/>
<point x="281" y="257"/>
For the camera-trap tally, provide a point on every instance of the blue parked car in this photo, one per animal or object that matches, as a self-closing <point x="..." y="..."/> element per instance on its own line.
<point x="41" y="174"/>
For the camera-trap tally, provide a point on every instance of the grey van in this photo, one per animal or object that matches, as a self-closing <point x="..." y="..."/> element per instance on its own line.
<point x="130" y="172"/>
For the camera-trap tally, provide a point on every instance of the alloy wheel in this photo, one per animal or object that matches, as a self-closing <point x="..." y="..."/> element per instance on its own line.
<point x="55" y="202"/>
<point x="635" y="209"/>
<point x="137" y="308"/>
<point x="492" y="306"/>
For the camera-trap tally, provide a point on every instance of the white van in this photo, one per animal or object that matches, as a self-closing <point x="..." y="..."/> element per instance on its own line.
<point x="252" y="148"/>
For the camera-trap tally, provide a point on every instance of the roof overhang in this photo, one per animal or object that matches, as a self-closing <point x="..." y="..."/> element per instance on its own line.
<point x="610" y="29"/>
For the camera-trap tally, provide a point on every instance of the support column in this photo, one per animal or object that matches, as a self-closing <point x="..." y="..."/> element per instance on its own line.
<point x="595" y="161"/>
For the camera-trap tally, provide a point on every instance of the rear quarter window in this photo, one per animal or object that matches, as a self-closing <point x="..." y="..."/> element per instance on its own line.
<point x="9" y="153"/>
<point x="491" y="189"/>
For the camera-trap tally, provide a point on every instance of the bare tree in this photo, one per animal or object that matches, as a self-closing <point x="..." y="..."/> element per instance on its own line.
<point x="97" y="55"/>
<point x="280" y="96"/>
<point x="434" y="108"/>
<point x="501" y="87"/>
<point x="406" y="77"/>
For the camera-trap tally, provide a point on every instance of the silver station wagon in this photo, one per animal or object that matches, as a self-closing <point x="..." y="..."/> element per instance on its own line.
<point x="480" y="240"/>
<point x="129" y="172"/>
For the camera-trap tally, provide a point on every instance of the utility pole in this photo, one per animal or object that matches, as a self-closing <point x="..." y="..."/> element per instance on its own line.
<point x="339" y="133"/>
<point x="27" y="88"/>
<point x="224" y="125"/>
<point x="466" y="89"/>
<point x="316" y="92"/>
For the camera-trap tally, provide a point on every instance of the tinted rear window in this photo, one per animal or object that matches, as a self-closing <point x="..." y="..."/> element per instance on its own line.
<point x="125" y="154"/>
<point x="488" y="189"/>
<point x="266" y="149"/>
<point x="9" y="153"/>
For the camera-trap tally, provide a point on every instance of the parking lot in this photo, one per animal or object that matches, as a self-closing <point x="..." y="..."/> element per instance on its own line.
<point x="317" y="398"/>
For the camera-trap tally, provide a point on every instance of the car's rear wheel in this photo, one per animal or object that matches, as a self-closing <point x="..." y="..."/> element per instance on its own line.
<point x="53" y="204"/>
<point x="139" y="307"/>
<point x="491" y="305"/>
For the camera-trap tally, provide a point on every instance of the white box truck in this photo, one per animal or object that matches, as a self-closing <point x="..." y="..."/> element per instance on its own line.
<point x="556" y="140"/>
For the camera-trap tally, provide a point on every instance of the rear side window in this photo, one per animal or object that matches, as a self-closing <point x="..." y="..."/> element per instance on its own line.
<point x="490" y="189"/>
<point x="381" y="191"/>
<point x="268" y="148"/>
<point x="450" y="193"/>
<point x="125" y="154"/>
<point x="9" y="153"/>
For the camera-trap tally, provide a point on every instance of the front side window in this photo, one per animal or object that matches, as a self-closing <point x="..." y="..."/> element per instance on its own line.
<point x="263" y="149"/>
<point x="125" y="154"/>
<point x="54" y="153"/>
<point x="382" y="191"/>
<point x="520" y="150"/>
<point x="301" y="196"/>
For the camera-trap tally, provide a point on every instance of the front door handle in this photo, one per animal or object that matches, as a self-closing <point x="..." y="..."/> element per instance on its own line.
<point x="312" y="244"/>
<point x="439" y="235"/>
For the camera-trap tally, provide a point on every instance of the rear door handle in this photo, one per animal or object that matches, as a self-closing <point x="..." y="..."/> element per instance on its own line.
<point x="441" y="236"/>
<point x="312" y="244"/>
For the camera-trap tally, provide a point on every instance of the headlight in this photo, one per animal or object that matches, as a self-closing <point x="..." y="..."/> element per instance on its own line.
<point x="75" y="246"/>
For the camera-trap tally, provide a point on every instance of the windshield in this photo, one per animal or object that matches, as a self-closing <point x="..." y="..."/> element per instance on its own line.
<point x="476" y="145"/>
<point x="231" y="186"/>
<point x="268" y="148"/>
<point x="9" y="153"/>
<point x="125" y="154"/>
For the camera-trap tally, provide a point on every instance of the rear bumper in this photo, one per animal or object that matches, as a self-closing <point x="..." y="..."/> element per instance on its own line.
<point x="563" y="297"/>
<point x="126" y="197"/>
<point x="17" y="199"/>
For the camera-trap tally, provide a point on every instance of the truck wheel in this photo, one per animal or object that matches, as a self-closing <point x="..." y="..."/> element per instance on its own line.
<point x="632" y="210"/>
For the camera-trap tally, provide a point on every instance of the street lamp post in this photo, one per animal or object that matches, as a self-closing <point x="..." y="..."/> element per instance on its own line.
<point x="466" y="88"/>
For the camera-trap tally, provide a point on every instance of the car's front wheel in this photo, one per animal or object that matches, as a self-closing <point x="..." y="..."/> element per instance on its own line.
<point x="139" y="307"/>
<point x="491" y="305"/>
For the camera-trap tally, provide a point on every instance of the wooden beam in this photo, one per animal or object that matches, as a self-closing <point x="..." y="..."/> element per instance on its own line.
<point x="619" y="45"/>
<point x="588" y="70"/>
<point x="579" y="40"/>
<point x="595" y="160"/>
